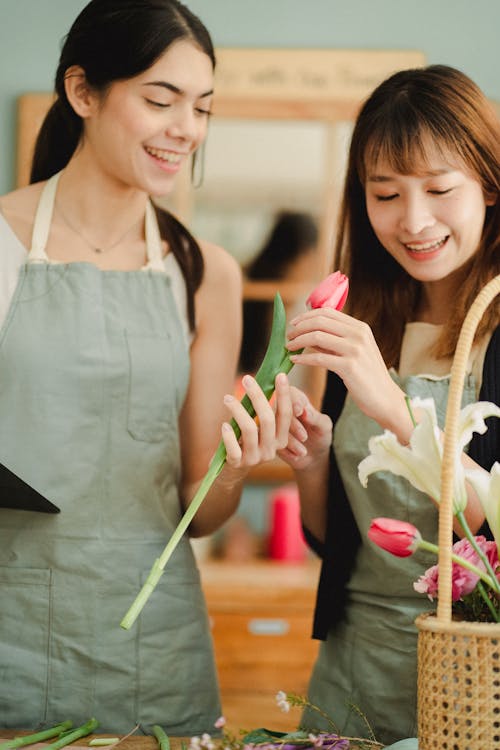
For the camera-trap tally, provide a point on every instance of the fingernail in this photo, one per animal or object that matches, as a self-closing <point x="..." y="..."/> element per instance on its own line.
<point x="228" y="399"/>
<point x="248" y="381"/>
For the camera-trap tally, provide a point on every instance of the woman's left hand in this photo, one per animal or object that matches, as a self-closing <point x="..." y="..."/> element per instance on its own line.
<point x="261" y="437"/>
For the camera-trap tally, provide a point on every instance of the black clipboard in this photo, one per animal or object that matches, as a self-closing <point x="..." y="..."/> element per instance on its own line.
<point x="16" y="494"/>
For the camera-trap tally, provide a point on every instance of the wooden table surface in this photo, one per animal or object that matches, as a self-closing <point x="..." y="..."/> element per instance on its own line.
<point x="134" y="742"/>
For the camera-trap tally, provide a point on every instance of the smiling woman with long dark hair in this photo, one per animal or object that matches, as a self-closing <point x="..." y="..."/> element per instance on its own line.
<point x="119" y="338"/>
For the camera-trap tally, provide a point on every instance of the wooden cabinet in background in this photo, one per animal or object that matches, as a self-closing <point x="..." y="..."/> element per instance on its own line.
<point x="261" y="617"/>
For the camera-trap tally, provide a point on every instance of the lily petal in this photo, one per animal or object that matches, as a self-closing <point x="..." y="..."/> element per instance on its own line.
<point x="420" y="462"/>
<point x="472" y="419"/>
<point x="387" y="454"/>
<point x="487" y="487"/>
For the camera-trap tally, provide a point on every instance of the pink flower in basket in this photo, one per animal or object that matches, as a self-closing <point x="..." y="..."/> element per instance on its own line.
<point x="463" y="580"/>
<point x="471" y="567"/>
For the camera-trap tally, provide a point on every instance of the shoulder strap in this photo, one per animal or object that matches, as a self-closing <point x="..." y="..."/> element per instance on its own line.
<point x="42" y="220"/>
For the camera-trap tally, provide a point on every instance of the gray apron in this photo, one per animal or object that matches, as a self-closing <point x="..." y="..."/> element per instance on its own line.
<point x="369" y="661"/>
<point x="93" y="373"/>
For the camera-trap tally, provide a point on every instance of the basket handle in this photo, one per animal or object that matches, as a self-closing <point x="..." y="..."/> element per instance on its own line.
<point x="458" y="368"/>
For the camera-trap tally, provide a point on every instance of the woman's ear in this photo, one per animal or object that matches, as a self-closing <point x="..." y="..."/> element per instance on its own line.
<point x="79" y="93"/>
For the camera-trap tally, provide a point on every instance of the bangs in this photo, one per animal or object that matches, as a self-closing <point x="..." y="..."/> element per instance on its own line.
<point x="407" y="141"/>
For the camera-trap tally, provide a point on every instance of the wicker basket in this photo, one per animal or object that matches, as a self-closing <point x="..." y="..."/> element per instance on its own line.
<point x="458" y="662"/>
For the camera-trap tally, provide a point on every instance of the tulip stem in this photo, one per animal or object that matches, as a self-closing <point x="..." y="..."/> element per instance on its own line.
<point x="159" y="564"/>
<point x="484" y="559"/>
<point x="488" y="602"/>
<point x="410" y="410"/>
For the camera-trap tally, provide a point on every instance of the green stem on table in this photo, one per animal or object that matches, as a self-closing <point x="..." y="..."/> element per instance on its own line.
<point x="484" y="559"/>
<point x="31" y="739"/>
<point x="103" y="741"/>
<point x="276" y="360"/>
<point x="70" y="737"/>
<point x="162" y="737"/>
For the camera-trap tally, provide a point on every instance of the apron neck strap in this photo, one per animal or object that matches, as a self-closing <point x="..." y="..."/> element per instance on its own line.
<point x="154" y="247"/>
<point x="43" y="219"/>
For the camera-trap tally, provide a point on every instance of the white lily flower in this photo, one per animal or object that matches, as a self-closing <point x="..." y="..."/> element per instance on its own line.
<point x="472" y="419"/>
<point x="420" y="461"/>
<point x="487" y="486"/>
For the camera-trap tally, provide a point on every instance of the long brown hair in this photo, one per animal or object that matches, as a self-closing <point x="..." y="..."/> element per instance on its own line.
<point x="436" y="104"/>
<point x="114" y="40"/>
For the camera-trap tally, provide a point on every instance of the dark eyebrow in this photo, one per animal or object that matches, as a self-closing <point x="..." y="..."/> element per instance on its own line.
<point x="428" y="173"/>
<point x="175" y="89"/>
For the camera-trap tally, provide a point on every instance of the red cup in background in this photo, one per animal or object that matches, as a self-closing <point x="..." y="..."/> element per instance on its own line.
<point x="286" y="540"/>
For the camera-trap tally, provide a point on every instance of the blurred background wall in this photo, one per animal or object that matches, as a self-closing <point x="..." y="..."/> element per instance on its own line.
<point x="456" y="32"/>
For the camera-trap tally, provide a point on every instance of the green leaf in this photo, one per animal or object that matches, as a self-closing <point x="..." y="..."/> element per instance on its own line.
<point x="276" y="353"/>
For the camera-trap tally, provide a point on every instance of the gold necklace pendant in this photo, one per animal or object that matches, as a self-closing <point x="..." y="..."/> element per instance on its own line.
<point x="97" y="250"/>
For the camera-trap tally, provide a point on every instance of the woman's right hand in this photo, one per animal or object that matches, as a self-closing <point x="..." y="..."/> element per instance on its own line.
<point x="346" y="346"/>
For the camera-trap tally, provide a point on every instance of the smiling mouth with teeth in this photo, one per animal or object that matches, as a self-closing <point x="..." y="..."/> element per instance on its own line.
<point x="168" y="156"/>
<point x="425" y="247"/>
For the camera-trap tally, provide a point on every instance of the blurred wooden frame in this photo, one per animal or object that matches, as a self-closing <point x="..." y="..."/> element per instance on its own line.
<point x="273" y="84"/>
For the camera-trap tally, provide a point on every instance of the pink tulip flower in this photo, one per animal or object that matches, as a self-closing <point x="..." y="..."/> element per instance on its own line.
<point x="331" y="292"/>
<point x="398" y="537"/>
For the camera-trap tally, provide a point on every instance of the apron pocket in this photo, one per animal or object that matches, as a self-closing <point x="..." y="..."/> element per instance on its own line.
<point x="24" y="645"/>
<point x="151" y="397"/>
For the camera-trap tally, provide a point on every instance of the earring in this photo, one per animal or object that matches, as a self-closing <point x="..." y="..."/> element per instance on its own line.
<point x="198" y="166"/>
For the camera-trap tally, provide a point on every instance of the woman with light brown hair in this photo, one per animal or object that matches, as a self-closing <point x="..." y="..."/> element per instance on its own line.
<point x="419" y="237"/>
